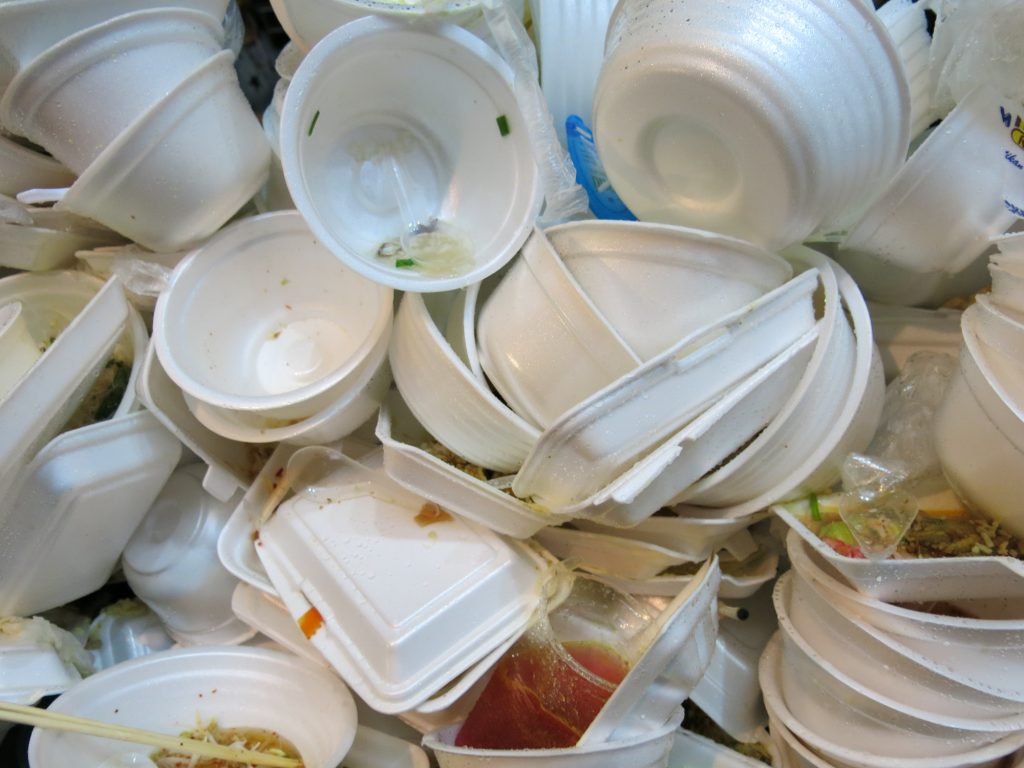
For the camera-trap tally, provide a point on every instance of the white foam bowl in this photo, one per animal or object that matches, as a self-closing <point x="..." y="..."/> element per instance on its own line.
<point x="204" y="144"/>
<point x="956" y="180"/>
<point x="859" y="652"/>
<point x="753" y="479"/>
<point x="377" y="92"/>
<point x="1007" y="286"/>
<point x="22" y="168"/>
<point x="854" y="713"/>
<point x="656" y="283"/>
<point x="64" y="100"/>
<point x="983" y="653"/>
<point x="171" y="563"/>
<point x="833" y="754"/>
<point x="18" y="350"/>
<point x="262" y="318"/>
<point x="169" y="691"/>
<point x="456" y="407"/>
<point x="41" y="248"/>
<point x="979" y="427"/>
<point x="307" y="23"/>
<point x="538" y="324"/>
<point x="648" y="751"/>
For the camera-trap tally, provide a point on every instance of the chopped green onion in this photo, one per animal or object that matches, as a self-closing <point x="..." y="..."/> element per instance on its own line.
<point x="312" y="125"/>
<point x="815" y="509"/>
<point x="502" y="121"/>
<point x="402" y="263"/>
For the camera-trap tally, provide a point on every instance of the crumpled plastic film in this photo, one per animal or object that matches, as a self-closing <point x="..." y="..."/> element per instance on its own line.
<point x="564" y="199"/>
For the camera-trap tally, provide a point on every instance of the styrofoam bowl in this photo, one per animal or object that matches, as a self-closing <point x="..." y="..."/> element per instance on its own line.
<point x="64" y="101"/>
<point x="204" y="144"/>
<point x="855" y="650"/>
<point x="38" y="249"/>
<point x="456" y="407"/>
<point x="18" y="350"/>
<point x="170" y="563"/>
<point x="851" y="425"/>
<point x="307" y="23"/>
<point x="263" y="318"/>
<point x="174" y="691"/>
<point x="539" y="322"/>
<point x="592" y="444"/>
<point x="648" y="751"/>
<point x="965" y="156"/>
<point x="656" y="283"/>
<point x="833" y="754"/>
<point x="979" y="427"/>
<point x="983" y="653"/>
<point x="397" y="111"/>
<point x="1007" y="287"/>
<point x="345" y="415"/>
<point x="23" y="168"/>
<point x="855" y="713"/>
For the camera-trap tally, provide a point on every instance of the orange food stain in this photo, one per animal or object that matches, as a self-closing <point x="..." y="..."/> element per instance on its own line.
<point x="310" y="622"/>
<point x="430" y="513"/>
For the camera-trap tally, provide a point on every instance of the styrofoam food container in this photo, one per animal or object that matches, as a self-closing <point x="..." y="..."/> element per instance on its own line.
<point x="32" y="664"/>
<point x="696" y="536"/>
<point x="169" y="692"/>
<point x="601" y="437"/>
<point x="126" y="630"/>
<point x="455" y="406"/>
<point x="74" y="506"/>
<point x="908" y="579"/>
<point x="29" y="27"/>
<point x="412" y="467"/>
<point x="54" y="100"/>
<point x="267" y="614"/>
<point x="650" y="750"/>
<point x="408" y="117"/>
<point x="22" y="168"/>
<point x="979" y="427"/>
<point x="460" y="330"/>
<point x="739" y="580"/>
<point x="676" y="650"/>
<point x="1007" y="286"/>
<point x="966" y="157"/>
<point x="695" y="751"/>
<point x="307" y="23"/>
<point x="170" y="562"/>
<point x="987" y="756"/>
<point x="263" y="318"/>
<point x="340" y="418"/>
<point x="899" y="332"/>
<point x="40" y="248"/>
<point x="706" y="133"/>
<point x="854" y="713"/>
<point x="857" y="651"/>
<point x="18" y="350"/>
<point x="539" y="323"/>
<point x="656" y="283"/>
<point x="205" y="145"/>
<point x="982" y="653"/>
<point x="408" y="606"/>
<point x="851" y="421"/>
<point x="601" y="553"/>
<point x="230" y="463"/>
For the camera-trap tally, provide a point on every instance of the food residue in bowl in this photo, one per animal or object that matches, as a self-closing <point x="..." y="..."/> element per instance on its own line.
<point x="250" y="739"/>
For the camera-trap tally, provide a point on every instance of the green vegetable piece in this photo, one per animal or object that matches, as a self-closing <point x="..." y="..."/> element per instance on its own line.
<point x="502" y="121"/>
<point x="312" y="125"/>
<point x="815" y="508"/>
<point x="838" y="531"/>
<point x="405" y="263"/>
<point x="112" y="399"/>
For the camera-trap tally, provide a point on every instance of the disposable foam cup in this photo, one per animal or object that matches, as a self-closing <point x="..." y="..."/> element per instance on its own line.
<point x="539" y="323"/>
<point x="457" y="408"/>
<point x="253" y="688"/>
<point x="385" y="116"/>
<point x="64" y="100"/>
<point x="170" y="562"/>
<point x="960" y="180"/>
<point x="205" y="145"/>
<point x="18" y="350"/>
<point x="22" y="168"/>
<point x="656" y="283"/>
<point x="285" y="327"/>
<point x="695" y="127"/>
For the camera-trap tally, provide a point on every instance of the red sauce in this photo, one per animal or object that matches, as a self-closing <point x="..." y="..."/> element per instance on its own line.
<point x="536" y="700"/>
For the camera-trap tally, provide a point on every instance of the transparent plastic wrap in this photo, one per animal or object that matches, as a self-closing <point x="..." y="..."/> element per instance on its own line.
<point x="564" y="199"/>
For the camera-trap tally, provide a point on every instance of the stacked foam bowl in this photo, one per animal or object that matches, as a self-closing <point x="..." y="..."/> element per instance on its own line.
<point x="437" y="415"/>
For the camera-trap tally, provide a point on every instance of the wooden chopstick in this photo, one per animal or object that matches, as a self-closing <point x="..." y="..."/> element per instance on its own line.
<point x="42" y="718"/>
